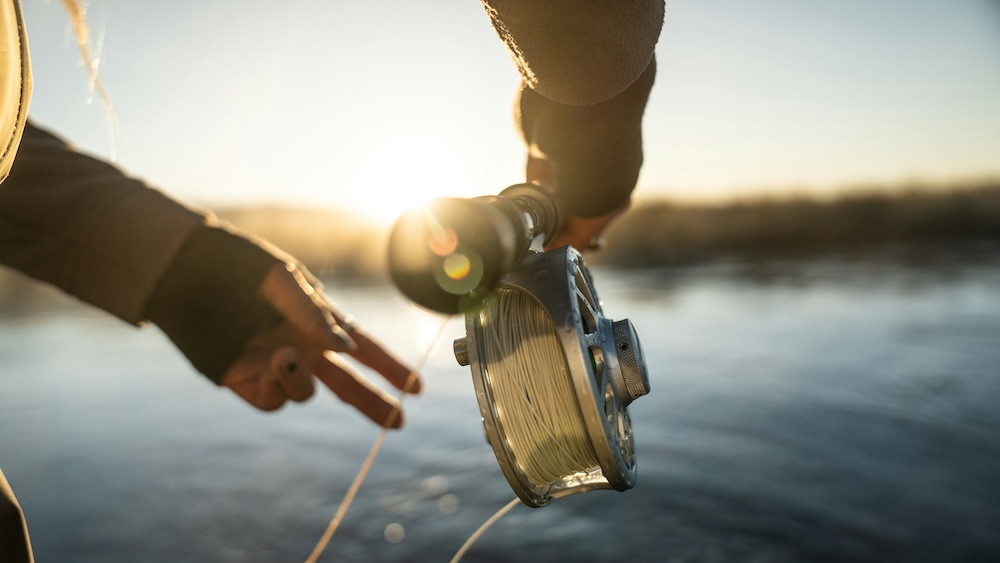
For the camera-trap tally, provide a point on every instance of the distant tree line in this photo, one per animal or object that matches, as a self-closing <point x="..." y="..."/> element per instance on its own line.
<point x="663" y="232"/>
<point x="338" y="243"/>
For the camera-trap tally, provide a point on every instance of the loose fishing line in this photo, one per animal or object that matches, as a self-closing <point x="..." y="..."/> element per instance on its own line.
<point x="482" y="529"/>
<point x="362" y="473"/>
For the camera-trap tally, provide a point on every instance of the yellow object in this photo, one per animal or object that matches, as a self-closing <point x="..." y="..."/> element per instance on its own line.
<point x="15" y="82"/>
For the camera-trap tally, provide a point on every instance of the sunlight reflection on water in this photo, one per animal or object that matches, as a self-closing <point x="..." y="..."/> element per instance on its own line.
<point x="801" y="411"/>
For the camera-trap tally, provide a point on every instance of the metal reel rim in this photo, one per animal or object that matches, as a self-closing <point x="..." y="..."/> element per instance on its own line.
<point x="561" y="294"/>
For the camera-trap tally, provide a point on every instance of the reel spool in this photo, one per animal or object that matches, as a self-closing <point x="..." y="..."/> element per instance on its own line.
<point x="554" y="397"/>
<point x="553" y="375"/>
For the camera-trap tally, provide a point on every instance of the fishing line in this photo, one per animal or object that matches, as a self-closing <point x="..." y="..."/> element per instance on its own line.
<point x="352" y="491"/>
<point x="532" y="388"/>
<point x="482" y="529"/>
<point x="92" y="61"/>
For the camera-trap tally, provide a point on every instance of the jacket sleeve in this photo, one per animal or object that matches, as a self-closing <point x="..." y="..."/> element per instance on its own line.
<point x="587" y="71"/>
<point x="110" y="240"/>
<point x="578" y="53"/>
<point x="82" y="225"/>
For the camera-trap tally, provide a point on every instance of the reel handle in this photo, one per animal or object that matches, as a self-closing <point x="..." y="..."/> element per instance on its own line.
<point x="449" y="254"/>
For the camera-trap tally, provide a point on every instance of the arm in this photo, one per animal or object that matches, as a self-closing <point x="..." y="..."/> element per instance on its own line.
<point x="241" y="310"/>
<point x="587" y="70"/>
<point x="83" y="226"/>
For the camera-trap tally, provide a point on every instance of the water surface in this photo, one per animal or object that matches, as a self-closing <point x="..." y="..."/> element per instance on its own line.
<point x="830" y="410"/>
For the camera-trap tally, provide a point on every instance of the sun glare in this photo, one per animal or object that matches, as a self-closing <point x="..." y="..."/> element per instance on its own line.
<point x="403" y="170"/>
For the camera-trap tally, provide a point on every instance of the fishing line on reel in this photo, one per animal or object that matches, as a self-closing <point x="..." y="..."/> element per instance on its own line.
<point x="532" y="388"/>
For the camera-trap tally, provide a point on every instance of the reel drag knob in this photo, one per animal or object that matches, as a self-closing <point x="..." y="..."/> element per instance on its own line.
<point x="461" y="348"/>
<point x="631" y="379"/>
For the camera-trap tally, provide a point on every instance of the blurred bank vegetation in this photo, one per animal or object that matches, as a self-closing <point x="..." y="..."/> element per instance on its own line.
<point x="664" y="232"/>
<point x="658" y="233"/>
<point x="335" y="243"/>
<point x="330" y="242"/>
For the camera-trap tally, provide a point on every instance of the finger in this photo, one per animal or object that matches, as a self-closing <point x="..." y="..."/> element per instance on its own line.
<point x="250" y="380"/>
<point x="290" y="373"/>
<point x="373" y="355"/>
<point x="267" y="396"/>
<point x="352" y="388"/>
<point x="584" y="233"/>
<point x="288" y="291"/>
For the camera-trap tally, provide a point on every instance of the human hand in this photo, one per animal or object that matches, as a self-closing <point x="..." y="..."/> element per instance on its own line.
<point x="283" y="363"/>
<point x="582" y="233"/>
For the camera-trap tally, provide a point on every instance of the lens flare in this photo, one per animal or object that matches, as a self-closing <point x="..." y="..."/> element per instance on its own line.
<point x="457" y="266"/>
<point x="460" y="272"/>
<point x="442" y="241"/>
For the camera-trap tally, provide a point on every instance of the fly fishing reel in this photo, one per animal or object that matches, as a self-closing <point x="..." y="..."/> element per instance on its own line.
<point x="553" y="375"/>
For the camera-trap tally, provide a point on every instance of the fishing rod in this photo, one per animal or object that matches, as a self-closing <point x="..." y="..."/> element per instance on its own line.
<point x="553" y="375"/>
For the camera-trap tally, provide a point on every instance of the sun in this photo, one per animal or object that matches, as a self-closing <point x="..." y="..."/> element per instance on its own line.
<point x="404" y="169"/>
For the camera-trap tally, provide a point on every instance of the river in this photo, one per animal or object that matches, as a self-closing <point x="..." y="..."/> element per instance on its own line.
<point x="820" y="410"/>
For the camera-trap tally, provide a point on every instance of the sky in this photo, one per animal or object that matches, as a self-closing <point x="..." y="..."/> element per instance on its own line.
<point x="377" y="106"/>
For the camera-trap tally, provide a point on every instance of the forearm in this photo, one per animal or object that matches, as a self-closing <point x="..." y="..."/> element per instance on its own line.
<point x="110" y="240"/>
<point x="85" y="227"/>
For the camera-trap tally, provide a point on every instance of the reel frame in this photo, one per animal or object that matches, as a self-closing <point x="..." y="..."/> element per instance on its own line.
<point x="561" y="283"/>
